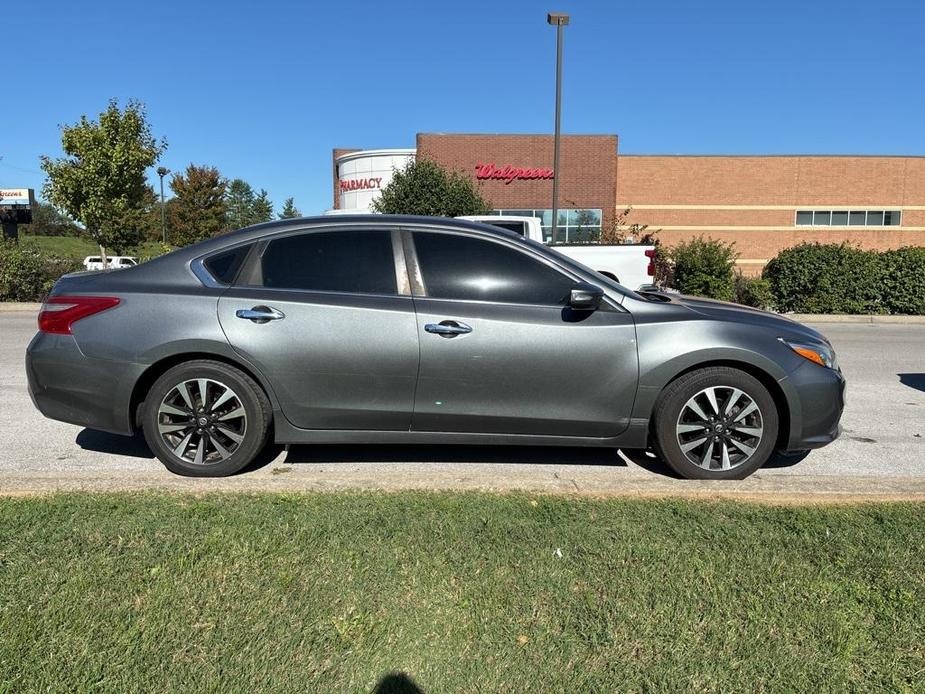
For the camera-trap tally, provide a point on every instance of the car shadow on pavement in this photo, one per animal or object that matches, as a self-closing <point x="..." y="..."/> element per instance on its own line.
<point x="136" y="447"/>
<point x="648" y="460"/>
<point x="104" y="442"/>
<point x="403" y="453"/>
<point x="916" y="381"/>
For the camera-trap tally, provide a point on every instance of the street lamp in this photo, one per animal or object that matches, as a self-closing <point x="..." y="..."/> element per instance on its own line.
<point x="558" y="20"/>
<point x="163" y="171"/>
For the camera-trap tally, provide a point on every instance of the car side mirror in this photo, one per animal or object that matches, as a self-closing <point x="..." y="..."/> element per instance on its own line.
<point x="585" y="297"/>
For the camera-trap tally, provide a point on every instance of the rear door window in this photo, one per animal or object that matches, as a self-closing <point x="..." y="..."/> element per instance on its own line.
<point x="349" y="261"/>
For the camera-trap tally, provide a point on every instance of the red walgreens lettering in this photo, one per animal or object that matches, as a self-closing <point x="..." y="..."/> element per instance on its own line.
<point x="360" y="184"/>
<point x="508" y="173"/>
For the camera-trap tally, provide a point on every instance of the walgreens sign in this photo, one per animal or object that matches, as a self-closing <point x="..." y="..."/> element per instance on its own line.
<point x="508" y="173"/>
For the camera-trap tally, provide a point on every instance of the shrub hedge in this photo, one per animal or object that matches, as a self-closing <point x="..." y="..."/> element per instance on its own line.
<point x="826" y="278"/>
<point x="903" y="280"/>
<point x="703" y="267"/>
<point x="807" y="278"/>
<point x="752" y="291"/>
<point x="27" y="274"/>
<point x="841" y="278"/>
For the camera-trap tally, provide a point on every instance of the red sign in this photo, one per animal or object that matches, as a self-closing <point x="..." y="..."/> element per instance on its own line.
<point x="360" y="184"/>
<point x="508" y="173"/>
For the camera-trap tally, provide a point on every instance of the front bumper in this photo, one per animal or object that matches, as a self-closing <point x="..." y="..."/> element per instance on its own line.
<point x="66" y="385"/>
<point x="817" y="400"/>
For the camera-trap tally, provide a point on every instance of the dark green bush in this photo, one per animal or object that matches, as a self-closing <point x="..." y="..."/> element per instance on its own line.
<point x="826" y="278"/>
<point x="903" y="280"/>
<point x="27" y="274"/>
<point x="752" y="291"/>
<point x="703" y="267"/>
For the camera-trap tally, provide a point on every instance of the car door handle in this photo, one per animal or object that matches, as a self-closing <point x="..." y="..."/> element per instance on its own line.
<point x="448" y="328"/>
<point x="260" y="314"/>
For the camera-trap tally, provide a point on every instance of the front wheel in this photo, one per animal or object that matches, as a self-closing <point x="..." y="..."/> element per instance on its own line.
<point x="715" y="423"/>
<point x="205" y="418"/>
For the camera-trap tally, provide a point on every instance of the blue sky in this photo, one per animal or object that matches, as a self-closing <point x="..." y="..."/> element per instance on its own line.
<point x="265" y="90"/>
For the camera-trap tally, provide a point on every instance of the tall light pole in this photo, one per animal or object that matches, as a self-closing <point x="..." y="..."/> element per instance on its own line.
<point x="558" y="20"/>
<point x="163" y="171"/>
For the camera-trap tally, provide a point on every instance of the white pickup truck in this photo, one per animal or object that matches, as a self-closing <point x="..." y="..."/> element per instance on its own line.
<point x="632" y="265"/>
<point x="113" y="262"/>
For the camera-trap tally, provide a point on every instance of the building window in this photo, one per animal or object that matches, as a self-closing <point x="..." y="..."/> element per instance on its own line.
<point x="822" y="219"/>
<point x="573" y="226"/>
<point x="854" y="218"/>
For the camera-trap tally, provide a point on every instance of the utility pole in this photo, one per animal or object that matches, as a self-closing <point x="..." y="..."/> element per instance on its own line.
<point x="163" y="171"/>
<point x="560" y="21"/>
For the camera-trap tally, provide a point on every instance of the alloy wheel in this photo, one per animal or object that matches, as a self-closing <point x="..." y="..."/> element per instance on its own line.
<point x="719" y="428"/>
<point x="202" y="421"/>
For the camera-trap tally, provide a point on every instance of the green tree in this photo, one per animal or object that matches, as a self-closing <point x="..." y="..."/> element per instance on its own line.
<point x="239" y="201"/>
<point x="197" y="209"/>
<point x="289" y="211"/>
<point x="262" y="210"/>
<point x="49" y="221"/>
<point x="100" y="182"/>
<point x="424" y="187"/>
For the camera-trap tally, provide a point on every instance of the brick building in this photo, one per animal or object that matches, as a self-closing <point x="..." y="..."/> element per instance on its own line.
<point x="762" y="203"/>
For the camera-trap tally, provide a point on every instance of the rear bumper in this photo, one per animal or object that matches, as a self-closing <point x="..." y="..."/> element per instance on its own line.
<point x="67" y="386"/>
<point x="816" y="404"/>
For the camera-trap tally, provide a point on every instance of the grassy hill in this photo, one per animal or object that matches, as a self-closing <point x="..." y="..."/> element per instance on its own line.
<point x="78" y="248"/>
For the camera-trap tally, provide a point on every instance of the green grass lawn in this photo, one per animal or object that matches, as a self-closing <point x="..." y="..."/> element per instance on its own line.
<point x="458" y="592"/>
<point x="79" y="248"/>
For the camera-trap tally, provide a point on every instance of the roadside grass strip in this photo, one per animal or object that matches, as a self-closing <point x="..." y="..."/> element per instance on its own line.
<point x="457" y="592"/>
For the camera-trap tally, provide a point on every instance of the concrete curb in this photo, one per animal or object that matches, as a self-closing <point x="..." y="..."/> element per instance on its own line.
<point x="19" y="307"/>
<point x="23" y="307"/>
<point x="839" y="318"/>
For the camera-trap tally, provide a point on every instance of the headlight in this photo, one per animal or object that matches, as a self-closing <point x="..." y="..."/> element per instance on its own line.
<point x="823" y="355"/>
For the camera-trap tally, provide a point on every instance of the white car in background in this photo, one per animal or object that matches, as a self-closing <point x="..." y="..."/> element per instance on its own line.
<point x="114" y="262"/>
<point x="632" y="265"/>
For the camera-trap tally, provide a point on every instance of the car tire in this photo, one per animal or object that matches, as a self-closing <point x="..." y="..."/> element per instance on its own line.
<point x="204" y="418"/>
<point x="715" y="423"/>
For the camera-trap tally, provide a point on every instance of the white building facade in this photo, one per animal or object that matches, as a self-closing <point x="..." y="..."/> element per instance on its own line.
<point x="362" y="175"/>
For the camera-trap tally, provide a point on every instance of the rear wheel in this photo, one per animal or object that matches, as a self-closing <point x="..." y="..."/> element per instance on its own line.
<point x="715" y="423"/>
<point x="205" y="418"/>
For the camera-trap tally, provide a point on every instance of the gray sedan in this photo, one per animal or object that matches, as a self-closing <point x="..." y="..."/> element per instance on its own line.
<point x="382" y="329"/>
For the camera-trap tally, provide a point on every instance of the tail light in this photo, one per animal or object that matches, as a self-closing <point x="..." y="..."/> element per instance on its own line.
<point x="59" y="313"/>
<point x="650" y="254"/>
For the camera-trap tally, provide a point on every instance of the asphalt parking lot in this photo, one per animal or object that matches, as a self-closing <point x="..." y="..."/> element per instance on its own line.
<point x="881" y="453"/>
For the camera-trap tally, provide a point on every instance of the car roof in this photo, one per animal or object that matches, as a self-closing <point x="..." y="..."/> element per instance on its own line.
<point x="352" y="220"/>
